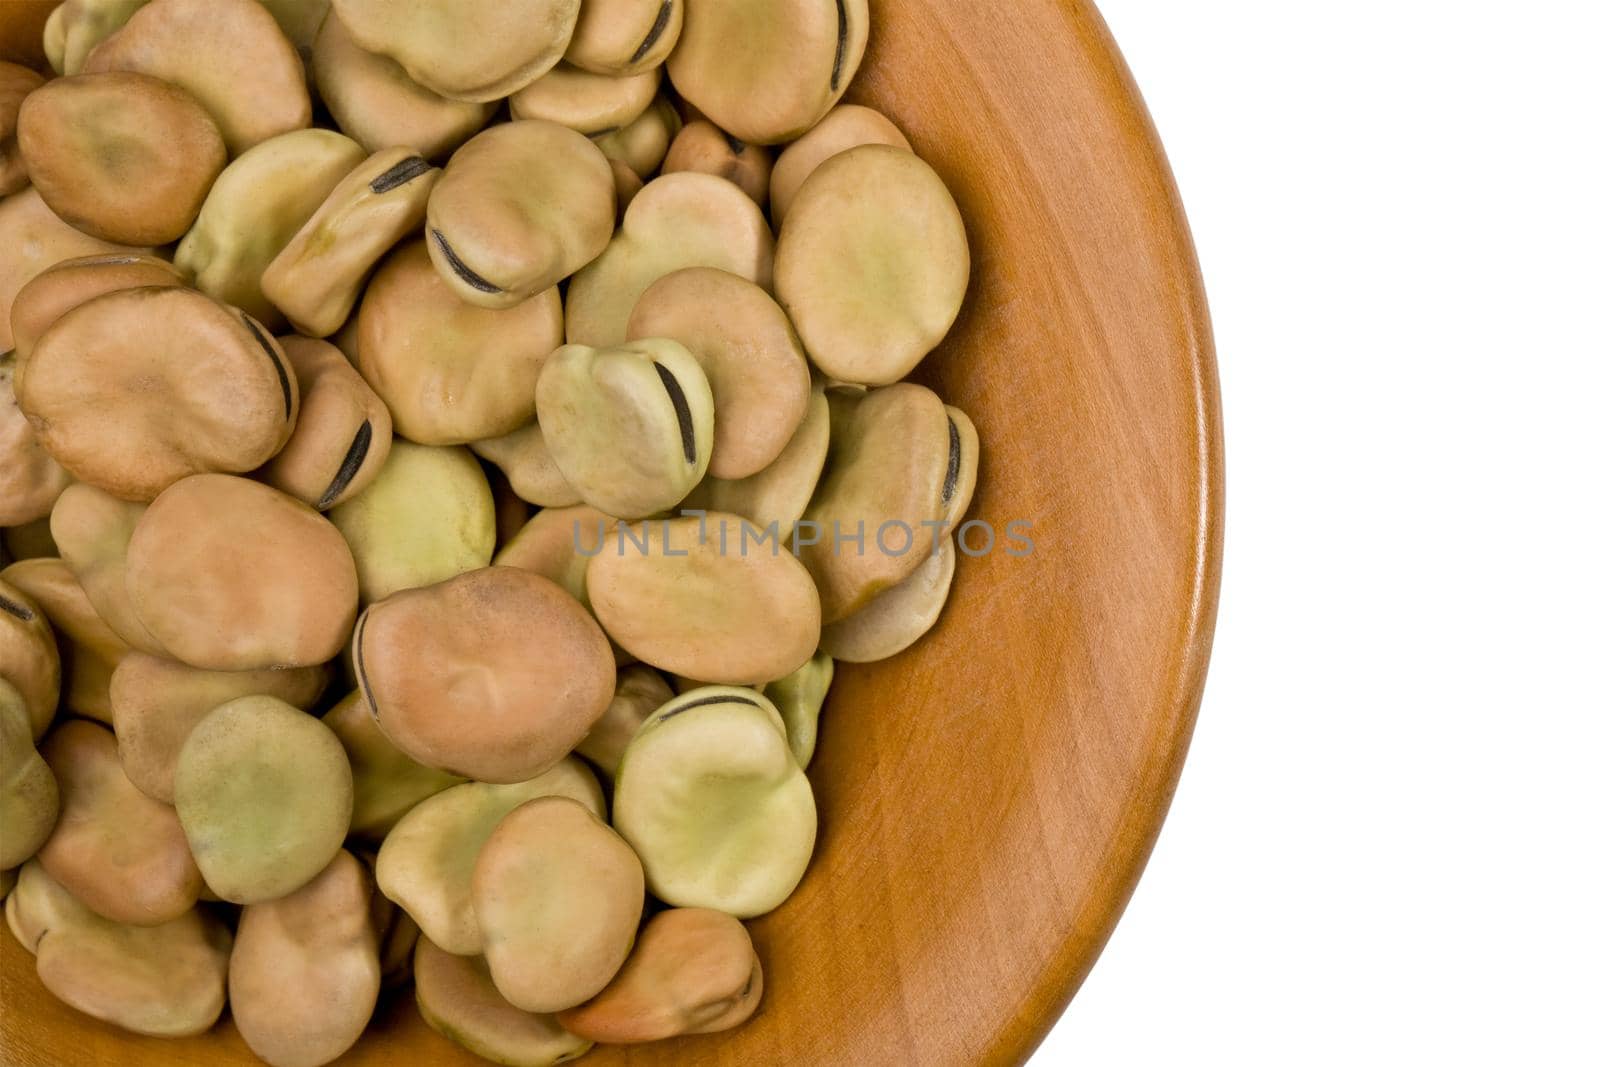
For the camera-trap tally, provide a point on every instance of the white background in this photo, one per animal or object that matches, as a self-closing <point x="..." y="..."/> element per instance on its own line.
<point x="1384" y="848"/>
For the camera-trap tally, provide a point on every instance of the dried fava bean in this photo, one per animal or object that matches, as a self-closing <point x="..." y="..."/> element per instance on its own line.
<point x="630" y="427"/>
<point x="710" y="797"/>
<point x="229" y="54"/>
<point x="451" y="372"/>
<point x="91" y="529"/>
<point x="16" y="82"/>
<point x="30" y="478"/>
<point x="303" y="978"/>
<point x="465" y="49"/>
<point x="155" y="703"/>
<point x="893" y="471"/>
<point x="585" y="102"/>
<point x="299" y="20"/>
<point x="676" y="221"/>
<point x="29" y="799"/>
<point x="684" y="603"/>
<point x="520" y="206"/>
<point x="845" y="127"/>
<point x="34" y="240"/>
<point x="90" y="650"/>
<point x="694" y="971"/>
<point x="552" y="866"/>
<point x="137" y="388"/>
<point x="759" y="379"/>
<point x="58" y="289"/>
<point x="776" y="496"/>
<point x="121" y="156"/>
<point x="872" y="265"/>
<point x="426" y="517"/>
<point x="75" y="27"/>
<point x="118" y="851"/>
<point x="457" y="997"/>
<point x="425" y="863"/>
<point x="642" y="144"/>
<point x="342" y="437"/>
<point x="798" y="698"/>
<point x="524" y="458"/>
<point x="640" y="691"/>
<point x="375" y="101"/>
<point x="558" y="543"/>
<point x="388" y="783"/>
<point x="767" y="70"/>
<point x="628" y="185"/>
<point x="164" y="981"/>
<point x="264" y="795"/>
<point x="897" y="616"/>
<point x="703" y="148"/>
<point x="232" y="575"/>
<point x="256" y="206"/>
<point x="625" y="36"/>
<point x="318" y="276"/>
<point x="493" y="675"/>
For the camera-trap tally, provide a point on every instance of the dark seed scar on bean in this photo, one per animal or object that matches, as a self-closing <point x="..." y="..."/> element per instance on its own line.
<point x="353" y="459"/>
<point x="361" y="667"/>
<point x="464" y="272"/>
<point x="735" y="145"/>
<point x="277" y="364"/>
<point x="657" y="28"/>
<point x="399" y="174"/>
<point x="838" y="52"/>
<point x="953" y="470"/>
<point x="704" y="702"/>
<point x="11" y="607"/>
<point x="680" y="407"/>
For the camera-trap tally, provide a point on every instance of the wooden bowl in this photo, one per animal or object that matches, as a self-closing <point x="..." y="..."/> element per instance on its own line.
<point x="988" y="798"/>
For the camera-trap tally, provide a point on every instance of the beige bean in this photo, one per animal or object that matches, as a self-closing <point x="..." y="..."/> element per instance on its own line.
<point x="625" y="36"/>
<point x="263" y="791"/>
<point x="156" y="703"/>
<point x="701" y="147"/>
<point x="640" y="691"/>
<point x="628" y="185"/>
<point x="457" y="997"/>
<point x="164" y="981"/>
<point x="642" y="144"/>
<point x="118" y="851"/>
<point x="64" y="286"/>
<point x="694" y="971"/>
<point x="342" y="436"/>
<point x="426" y="517"/>
<point x="89" y="649"/>
<point x="710" y="797"/>
<point x="388" y="783"/>
<point x="121" y="156"/>
<point x="254" y="209"/>
<point x="551" y="865"/>
<point x="16" y="82"/>
<point x="845" y="127"/>
<point x="304" y="976"/>
<point x="525" y="459"/>
<point x="554" y="543"/>
<point x="767" y="71"/>
<point x="676" y="221"/>
<point x="760" y="382"/>
<point x="451" y="372"/>
<point x="585" y="102"/>
<point x="229" y="54"/>
<point x="91" y="529"/>
<point x="29" y="797"/>
<point x="686" y="605"/>
<point x="872" y="264"/>
<point x="320" y="273"/>
<point x="426" y="862"/>
<point x="493" y="675"/>
<point x="798" y="698"/>
<point x="233" y="575"/>
<point x="138" y="388"/>
<point x="75" y="27"/>
<point x="896" y="617"/>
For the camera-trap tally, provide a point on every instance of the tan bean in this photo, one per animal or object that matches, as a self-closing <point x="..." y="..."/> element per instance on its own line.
<point x="553" y="544"/>
<point x="91" y="529"/>
<point x="16" y="82"/>
<point x="701" y="147"/>
<point x="64" y="286"/>
<point x="845" y="127"/>
<point x="29" y="797"/>
<point x="640" y="691"/>
<point x="89" y="649"/>
<point x="525" y="459"/>
<point x="30" y="479"/>
<point x="625" y="36"/>
<point x="585" y="102"/>
<point x="388" y="783"/>
<point x="75" y="27"/>
<point x="642" y="144"/>
<point x="342" y="436"/>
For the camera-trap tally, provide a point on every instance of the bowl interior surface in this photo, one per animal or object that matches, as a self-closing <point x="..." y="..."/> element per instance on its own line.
<point x="988" y="798"/>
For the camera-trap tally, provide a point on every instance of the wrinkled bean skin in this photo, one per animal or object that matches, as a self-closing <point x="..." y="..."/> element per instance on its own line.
<point x="693" y="971"/>
<point x="342" y="434"/>
<point x="304" y="976"/>
<point x="229" y="54"/>
<point x="29" y="797"/>
<point x="457" y="997"/>
<point x="121" y="156"/>
<point x="551" y="865"/>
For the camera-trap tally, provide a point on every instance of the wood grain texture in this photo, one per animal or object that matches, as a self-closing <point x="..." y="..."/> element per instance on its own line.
<point x="989" y="798"/>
